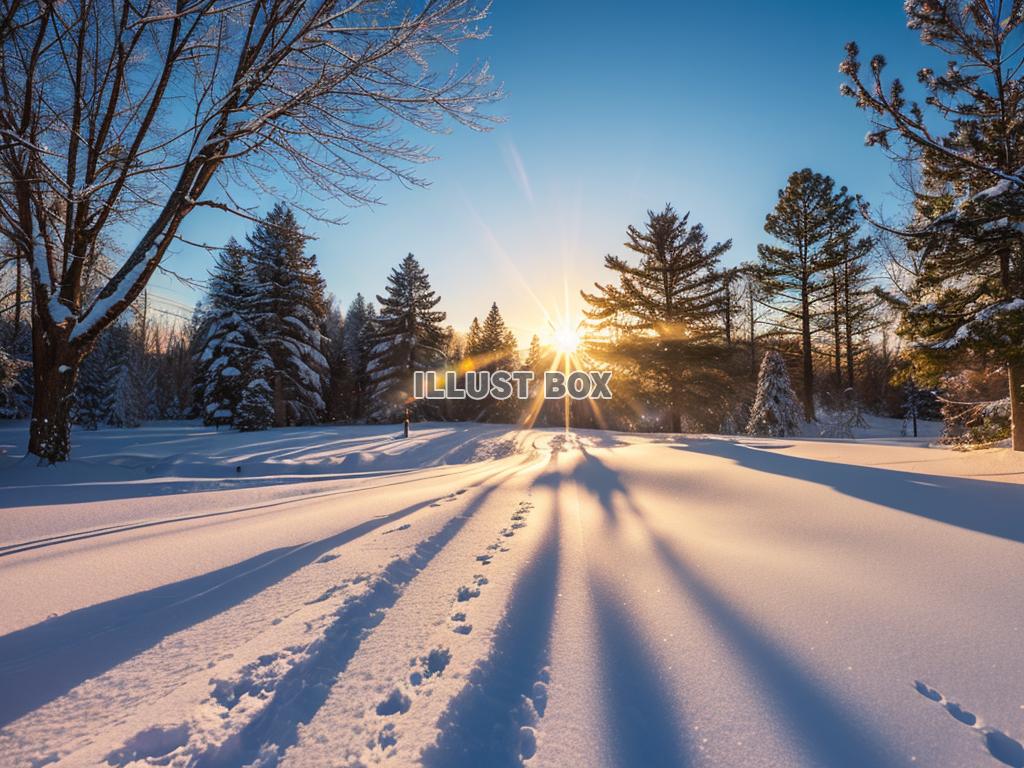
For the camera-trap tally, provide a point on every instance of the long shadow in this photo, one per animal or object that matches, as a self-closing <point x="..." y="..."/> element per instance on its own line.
<point x="975" y="505"/>
<point x="594" y="478"/>
<point x="825" y="728"/>
<point x="645" y="727"/>
<point x="43" y="662"/>
<point x="303" y="690"/>
<point x="507" y="691"/>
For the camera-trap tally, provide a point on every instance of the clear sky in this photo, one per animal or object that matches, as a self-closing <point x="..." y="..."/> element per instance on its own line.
<point x="612" y="108"/>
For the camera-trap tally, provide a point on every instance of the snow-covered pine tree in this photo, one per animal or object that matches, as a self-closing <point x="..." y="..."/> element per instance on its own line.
<point x="255" y="409"/>
<point x="230" y="354"/>
<point x="94" y="386"/>
<point x="967" y="300"/>
<point x="777" y="410"/>
<point x="409" y="338"/>
<point x="10" y="368"/>
<point x="289" y="312"/>
<point x="128" y="399"/>
<point x="360" y="332"/>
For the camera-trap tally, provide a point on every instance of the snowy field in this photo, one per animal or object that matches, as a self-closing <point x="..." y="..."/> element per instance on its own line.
<point x="477" y="596"/>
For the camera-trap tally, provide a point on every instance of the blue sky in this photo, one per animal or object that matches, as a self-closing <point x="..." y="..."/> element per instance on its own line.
<point x="612" y="109"/>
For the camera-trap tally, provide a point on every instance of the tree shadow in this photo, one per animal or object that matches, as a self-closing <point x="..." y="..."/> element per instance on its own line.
<point x="43" y="662"/>
<point x="641" y="714"/>
<point x="826" y="728"/>
<point x="983" y="506"/>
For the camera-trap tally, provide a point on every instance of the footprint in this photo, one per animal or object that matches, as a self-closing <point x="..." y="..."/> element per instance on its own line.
<point x="484" y="559"/>
<point x="151" y="743"/>
<point x="460" y="491"/>
<point x="1003" y="748"/>
<point x="460" y="616"/>
<point x="327" y="558"/>
<point x="466" y="593"/>
<point x="397" y="703"/>
<point x="965" y="717"/>
<point x="435" y="662"/>
<point x="928" y="693"/>
<point x="463" y="629"/>
<point x="387" y="736"/>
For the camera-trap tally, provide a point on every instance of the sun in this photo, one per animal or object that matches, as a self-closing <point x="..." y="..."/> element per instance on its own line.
<point x="566" y="340"/>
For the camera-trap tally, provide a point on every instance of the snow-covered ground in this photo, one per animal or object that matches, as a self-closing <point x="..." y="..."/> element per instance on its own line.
<point x="481" y="596"/>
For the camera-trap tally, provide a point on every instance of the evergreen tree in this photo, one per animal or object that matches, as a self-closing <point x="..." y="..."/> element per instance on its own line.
<point x="537" y="410"/>
<point x="231" y="353"/>
<point x="810" y="221"/>
<point x="289" y="310"/>
<point x="10" y="368"/>
<point x="409" y="338"/>
<point x="968" y="296"/>
<point x="474" y="344"/>
<point x="94" y="389"/>
<point x="776" y="410"/>
<point x="338" y="384"/>
<point x="255" y="410"/>
<point x="493" y="348"/>
<point x="664" y="316"/>
<point x="128" y="398"/>
<point x="359" y="333"/>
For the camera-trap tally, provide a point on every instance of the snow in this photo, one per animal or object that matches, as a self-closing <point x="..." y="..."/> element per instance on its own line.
<point x="477" y="595"/>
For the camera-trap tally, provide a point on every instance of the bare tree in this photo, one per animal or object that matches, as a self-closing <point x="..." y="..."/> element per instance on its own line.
<point x="126" y="116"/>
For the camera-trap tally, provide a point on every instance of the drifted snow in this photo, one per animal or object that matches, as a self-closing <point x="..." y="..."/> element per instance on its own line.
<point x="481" y="596"/>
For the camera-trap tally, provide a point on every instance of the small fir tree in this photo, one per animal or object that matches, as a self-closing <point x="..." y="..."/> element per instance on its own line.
<point x="776" y="410"/>
<point x="255" y="410"/>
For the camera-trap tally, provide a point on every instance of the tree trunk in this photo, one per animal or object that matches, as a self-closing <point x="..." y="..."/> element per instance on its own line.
<point x="1017" y="405"/>
<point x="54" y="370"/>
<point x="677" y="421"/>
<point x="808" y="362"/>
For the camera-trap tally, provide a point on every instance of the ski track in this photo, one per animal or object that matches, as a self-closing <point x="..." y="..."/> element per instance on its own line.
<point x="577" y="604"/>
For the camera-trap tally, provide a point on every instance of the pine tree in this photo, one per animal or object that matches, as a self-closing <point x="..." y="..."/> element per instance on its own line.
<point x="289" y="310"/>
<point x="94" y="388"/>
<point x="338" y="375"/>
<point x="409" y="338"/>
<point x="537" y="410"/>
<point x="360" y="331"/>
<point x="255" y="410"/>
<point x="493" y="348"/>
<point x="776" y="410"/>
<point x="231" y="353"/>
<point x="10" y="368"/>
<point x="664" y="316"/>
<point x="968" y="296"/>
<point x="474" y="345"/>
<point x="811" y="220"/>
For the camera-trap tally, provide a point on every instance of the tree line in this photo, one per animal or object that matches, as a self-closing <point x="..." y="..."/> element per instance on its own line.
<point x="94" y="143"/>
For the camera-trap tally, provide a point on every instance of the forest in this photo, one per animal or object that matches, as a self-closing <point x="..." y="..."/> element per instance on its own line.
<point x="842" y="313"/>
